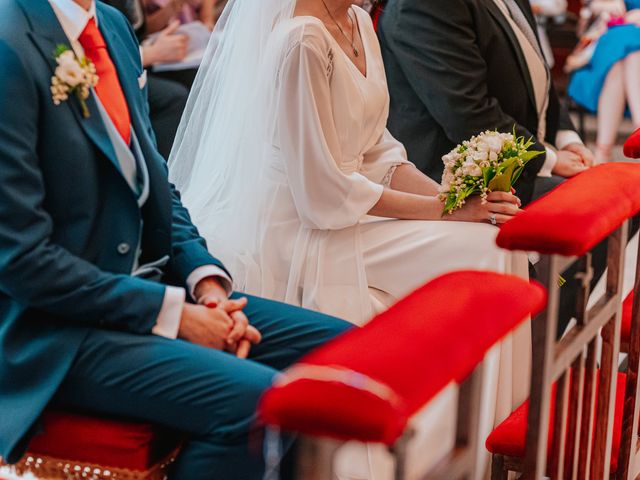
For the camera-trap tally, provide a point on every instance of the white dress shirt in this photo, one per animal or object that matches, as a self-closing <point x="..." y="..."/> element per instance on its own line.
<point x="73" y="19"/>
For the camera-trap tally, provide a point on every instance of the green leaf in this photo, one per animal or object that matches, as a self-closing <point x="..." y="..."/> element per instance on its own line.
<point x="502" y="181"/>
<point x="516" y="175"/>
<point x="530" y="155"/>
<point x="487" y="174"/>
<point x="60" y="49"/>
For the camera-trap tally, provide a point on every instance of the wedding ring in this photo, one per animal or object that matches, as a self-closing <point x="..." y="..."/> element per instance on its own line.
<point x="493" y="220"/>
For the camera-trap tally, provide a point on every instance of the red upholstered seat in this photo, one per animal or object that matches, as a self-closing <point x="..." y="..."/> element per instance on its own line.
<point x="106" y="442"/>
<point x="578" y="214"/>
<point x="632" y="145"/>
<point x="367" y="383"/>
<point x="508" y="438"/>
<point x="627" y="307"/>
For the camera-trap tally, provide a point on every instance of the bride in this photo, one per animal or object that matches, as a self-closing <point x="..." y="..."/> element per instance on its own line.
<point x="285" y="163"/>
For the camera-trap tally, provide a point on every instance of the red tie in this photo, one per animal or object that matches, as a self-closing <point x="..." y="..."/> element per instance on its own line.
<point x="108" y="87"/>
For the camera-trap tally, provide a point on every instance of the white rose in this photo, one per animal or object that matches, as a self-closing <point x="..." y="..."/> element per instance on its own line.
<point x="494" y="142"/>
<point x="67" y="57"/>
<point x="480" y="156"/>
<point x="70" y="73"/>
<point x="471" y="169"/>
<point x="493" y="156"/>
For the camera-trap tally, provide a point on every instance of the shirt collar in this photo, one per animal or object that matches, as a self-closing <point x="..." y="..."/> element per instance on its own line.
<point x="72" y="17"/>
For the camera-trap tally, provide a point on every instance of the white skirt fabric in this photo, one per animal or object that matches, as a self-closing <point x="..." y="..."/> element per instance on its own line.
<point x="399" y="256"/>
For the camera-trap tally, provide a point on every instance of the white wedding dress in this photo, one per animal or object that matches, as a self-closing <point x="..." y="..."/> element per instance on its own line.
<point x="330" y="157"/>
<point x="281" y="153"/>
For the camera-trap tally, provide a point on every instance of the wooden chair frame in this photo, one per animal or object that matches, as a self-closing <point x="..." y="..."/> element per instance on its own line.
<point x="582" y="438"/>
<point x="629" y="457"/>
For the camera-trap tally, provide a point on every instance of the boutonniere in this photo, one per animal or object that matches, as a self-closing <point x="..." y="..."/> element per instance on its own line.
<point x="73" y="75"/>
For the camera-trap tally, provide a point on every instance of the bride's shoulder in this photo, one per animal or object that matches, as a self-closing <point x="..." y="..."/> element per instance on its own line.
<point x="303" y="30"/>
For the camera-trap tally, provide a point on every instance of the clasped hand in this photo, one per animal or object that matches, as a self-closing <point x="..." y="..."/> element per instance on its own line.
<point x="219" y="323"/>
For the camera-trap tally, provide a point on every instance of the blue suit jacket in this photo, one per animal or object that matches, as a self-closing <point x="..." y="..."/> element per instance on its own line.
<point x="64" y="211"/>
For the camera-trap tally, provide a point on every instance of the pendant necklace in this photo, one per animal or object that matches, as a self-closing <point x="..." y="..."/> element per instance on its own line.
<point x="356" y="52"/>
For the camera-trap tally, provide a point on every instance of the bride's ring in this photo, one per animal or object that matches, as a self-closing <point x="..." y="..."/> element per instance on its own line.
<point x="493" y="220"/>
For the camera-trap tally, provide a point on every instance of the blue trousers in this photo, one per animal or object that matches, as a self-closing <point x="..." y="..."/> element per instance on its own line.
<point x="209" y="394"/>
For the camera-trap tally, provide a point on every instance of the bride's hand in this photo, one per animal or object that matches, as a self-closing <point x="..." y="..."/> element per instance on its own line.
<point x="501" y="206"/>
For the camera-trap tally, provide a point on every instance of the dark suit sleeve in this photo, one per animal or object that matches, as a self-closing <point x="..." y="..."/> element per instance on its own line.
<point x="189" y="248"/>
<point x="564" y="119"/>
<point x="34" y="271"/>
<point x="435" y="45"/>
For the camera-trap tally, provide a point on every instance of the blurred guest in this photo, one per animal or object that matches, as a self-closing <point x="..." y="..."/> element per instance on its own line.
<point x="546" y="11"/>
<point x="167" y="98"/>
<point x="195" y="19"/>
<point x="459" y="67"/>
<point x="162" y="12"/>
<point x="606" y="68"/>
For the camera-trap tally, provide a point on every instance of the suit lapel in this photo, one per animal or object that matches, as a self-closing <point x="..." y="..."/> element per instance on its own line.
<point x="497" y="14"/>
<point x="47" y="34"/>
<point x="128" y="68"/>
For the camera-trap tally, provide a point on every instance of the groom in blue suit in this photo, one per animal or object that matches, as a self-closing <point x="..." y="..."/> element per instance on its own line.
<point x="103" y="277"/>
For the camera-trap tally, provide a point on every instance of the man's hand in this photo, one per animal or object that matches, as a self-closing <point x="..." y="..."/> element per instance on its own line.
<point x="586" y="155"/>
<point x="209" y="327"/>
<point x="242" y="335"/>
<point x="210" y="292"/>
<point x="569" y="164"/>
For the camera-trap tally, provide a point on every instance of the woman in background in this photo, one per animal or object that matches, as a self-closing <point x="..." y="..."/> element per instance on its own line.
<point x="161" y="12"/>
<point x="192" y="19"/>
<point x="606" y="68"/>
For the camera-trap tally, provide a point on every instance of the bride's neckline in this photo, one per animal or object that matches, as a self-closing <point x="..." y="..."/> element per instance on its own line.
<point x="365" y="45"/>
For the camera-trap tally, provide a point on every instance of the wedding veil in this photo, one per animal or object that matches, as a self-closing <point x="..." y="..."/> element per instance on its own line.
<point x="217" y="160"/>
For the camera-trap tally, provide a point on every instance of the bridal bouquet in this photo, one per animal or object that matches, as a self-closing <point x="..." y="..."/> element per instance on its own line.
<point x="488" y="162"/>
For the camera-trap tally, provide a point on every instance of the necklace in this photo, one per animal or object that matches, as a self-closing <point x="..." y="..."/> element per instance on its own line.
<point x="356" y="52"/>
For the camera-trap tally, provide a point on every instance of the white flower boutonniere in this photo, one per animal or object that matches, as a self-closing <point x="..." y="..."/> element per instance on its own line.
<point x="72" y="76"/>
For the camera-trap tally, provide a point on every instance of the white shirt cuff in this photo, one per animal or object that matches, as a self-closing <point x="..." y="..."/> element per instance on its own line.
<point x="549" y="163"/>
<point x="205" y="271"/>
<point x="567" y="137"/>
<point x="168" y="322"/>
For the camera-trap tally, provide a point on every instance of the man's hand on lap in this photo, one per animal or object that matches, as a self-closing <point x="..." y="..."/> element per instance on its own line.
<point x="209" y="291"/>
<point x="209" y="327"/>
<point x="241" y="335"/>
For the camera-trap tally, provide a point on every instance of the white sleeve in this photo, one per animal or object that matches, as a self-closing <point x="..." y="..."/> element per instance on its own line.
<point x="325" y="197"/>
<point x="549" y="163"/>
<point x="205" y="271"/>
<point x="567" y="137"/>
<point x="387" y="154"/>
<point x="168" y="321"/>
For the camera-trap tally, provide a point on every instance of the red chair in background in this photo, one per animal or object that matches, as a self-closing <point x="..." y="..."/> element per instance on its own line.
<point x="368" y="383"/>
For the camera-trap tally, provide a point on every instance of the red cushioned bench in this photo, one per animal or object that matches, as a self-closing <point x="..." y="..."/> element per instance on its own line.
<point x="366" y="384"/>
<point x="73" y="446"/>
<point x="632" y="145"/>
<point x="586" y="421"/>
